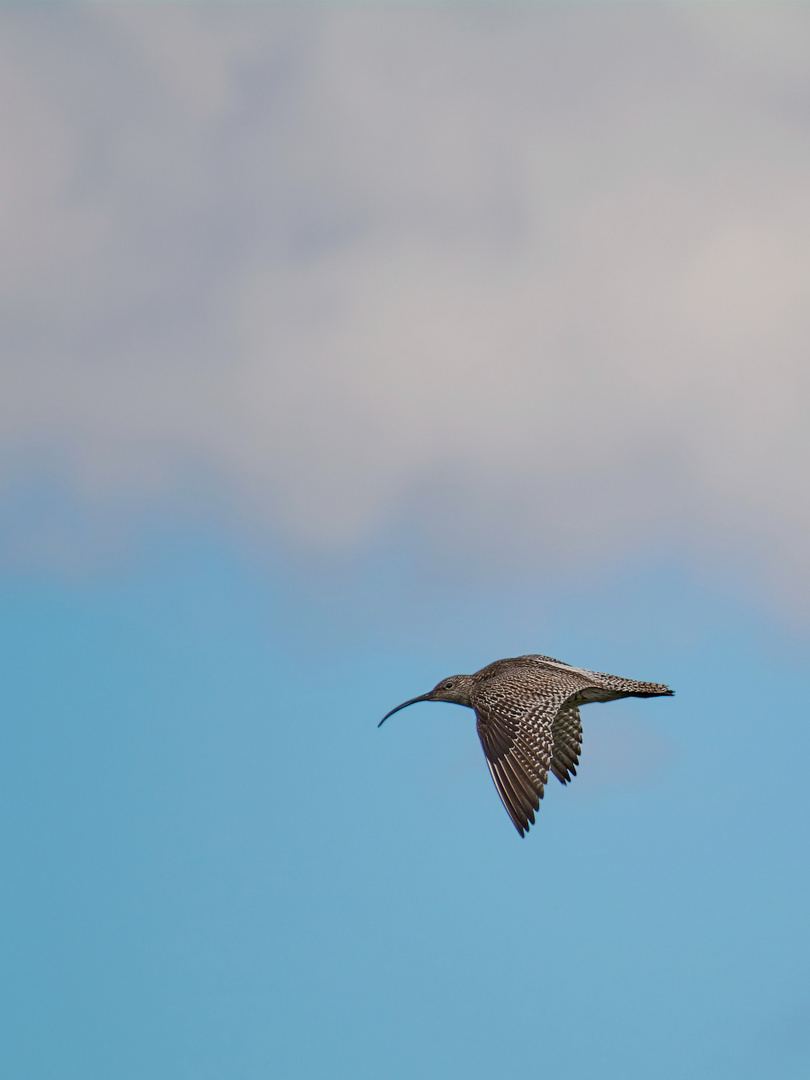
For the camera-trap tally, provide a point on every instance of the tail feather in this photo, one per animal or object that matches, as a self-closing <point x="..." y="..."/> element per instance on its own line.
<point x="650" y="689"/>
<point x="611" y="688"/>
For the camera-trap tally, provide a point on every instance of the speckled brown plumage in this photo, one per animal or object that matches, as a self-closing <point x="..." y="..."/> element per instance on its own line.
<point x="527" y="712"/>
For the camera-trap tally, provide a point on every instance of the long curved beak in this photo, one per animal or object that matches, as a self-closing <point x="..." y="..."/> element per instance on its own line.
<point x="404" y="705"/>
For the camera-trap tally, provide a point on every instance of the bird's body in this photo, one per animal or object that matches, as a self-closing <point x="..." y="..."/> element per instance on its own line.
<point x="527" y="711"/>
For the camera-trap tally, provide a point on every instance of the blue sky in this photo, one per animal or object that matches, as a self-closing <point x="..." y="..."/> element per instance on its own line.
<point x="217" y="865"/>
<point x="345" y="349"/>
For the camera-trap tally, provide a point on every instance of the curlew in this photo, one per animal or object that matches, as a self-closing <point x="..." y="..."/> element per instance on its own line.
<point x="527" y="717"/>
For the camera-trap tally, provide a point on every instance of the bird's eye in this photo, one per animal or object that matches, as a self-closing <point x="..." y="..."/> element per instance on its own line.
<point x="448" y="685"/>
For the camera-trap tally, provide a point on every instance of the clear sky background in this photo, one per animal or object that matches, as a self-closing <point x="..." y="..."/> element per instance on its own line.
<point x="343" y="349"/>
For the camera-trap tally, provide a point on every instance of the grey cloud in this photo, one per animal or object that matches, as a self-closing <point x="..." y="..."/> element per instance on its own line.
<point x="546" y="268"/>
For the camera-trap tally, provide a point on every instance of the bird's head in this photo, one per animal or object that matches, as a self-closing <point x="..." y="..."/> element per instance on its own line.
<point x="455" y="689"/>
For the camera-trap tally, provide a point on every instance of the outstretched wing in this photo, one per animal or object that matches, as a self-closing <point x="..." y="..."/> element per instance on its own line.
<point x="566" y="732"/>
<point x="516" y="711"/>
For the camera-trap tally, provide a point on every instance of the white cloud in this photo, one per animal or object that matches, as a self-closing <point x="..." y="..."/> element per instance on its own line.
<point x="541" y="277"/>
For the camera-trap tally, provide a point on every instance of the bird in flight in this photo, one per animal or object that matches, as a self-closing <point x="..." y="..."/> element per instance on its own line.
<point x="527" y="717"/>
